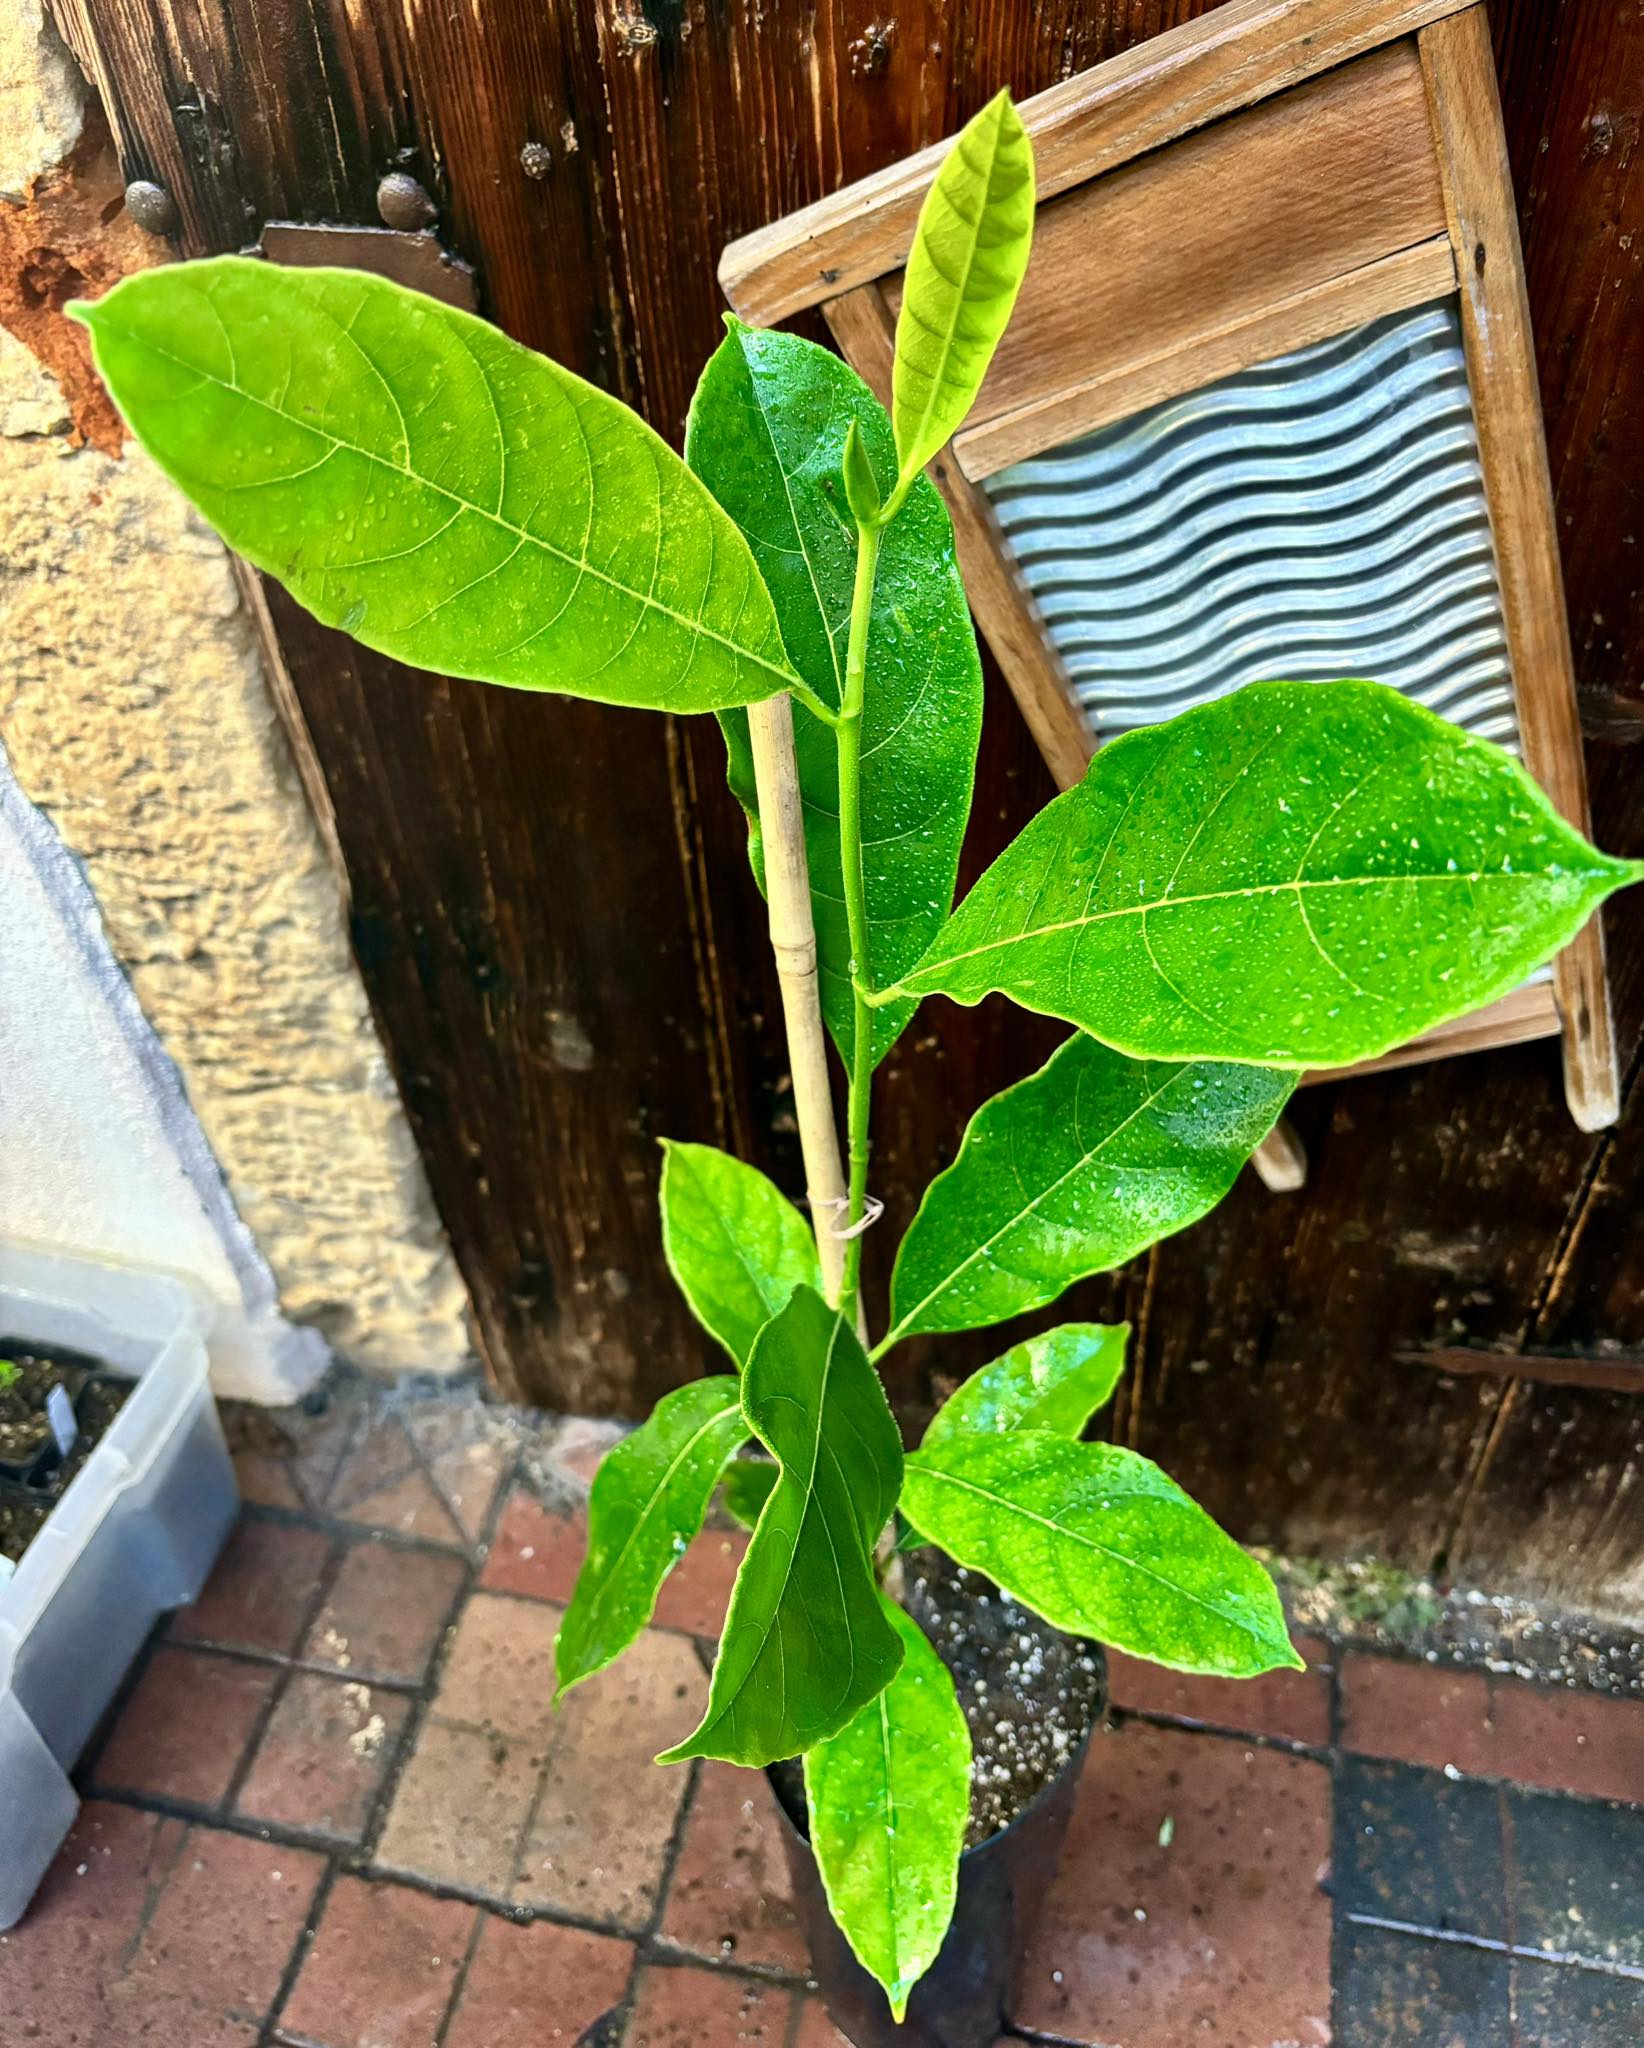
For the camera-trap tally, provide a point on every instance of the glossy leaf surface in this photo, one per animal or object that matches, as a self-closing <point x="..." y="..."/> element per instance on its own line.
<point x="767" y="435"/>
<point x="648" y="1500"/>
<point x="441" y="493"/>
<point x="970" y="251"/>
<point x="1054" y="1382"/>
<point x="806" y="1643"/>
<point x="734" y="1242"/>
<point x="1101" y="1543"/>
<point x="889" y="1799"/>
<point x="1072" y="1171"/>
<point x="1299" y="873"/>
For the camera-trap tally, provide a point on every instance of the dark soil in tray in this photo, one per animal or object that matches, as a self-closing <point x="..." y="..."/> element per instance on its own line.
<point x="33" y="1473"/>
<point x="1029" y="1693"/>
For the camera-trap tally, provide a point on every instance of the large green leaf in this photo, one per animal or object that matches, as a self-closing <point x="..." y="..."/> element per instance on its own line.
<point x="889" y="1799"/>
<point x="441" y="493"/>
<point x="767" y="435"/>
<point x="1299" y="873"/>
<point x="806" y="1643"/>
<point x="648" y="1500"/>
<point x="1100" y="1542"/>
<point x="1056" y="1382"/>
<point x="737" y="1246"/>
<point x="970" y="251"/>
<point x="1073" y="1171"/>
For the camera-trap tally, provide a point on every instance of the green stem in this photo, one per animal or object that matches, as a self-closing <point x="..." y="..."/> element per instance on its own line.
<point x="848" y="738"/>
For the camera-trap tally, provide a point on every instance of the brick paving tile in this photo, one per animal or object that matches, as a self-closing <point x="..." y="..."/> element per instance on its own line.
<point x="1569" y="1741"/>
<point x="1576" y="2008"/>
<point x="381" y="1969"/>
<point x="697" y="1591"/>
<point x="534" y="1552"/>
<point x="1401" y="1988"/>
<point x="689" y="2008"/>
<point x="468" y="1459"/>
<point x="1293" y="1705"/>
<point x="499" y="1670"/>
<point x="816" y="2030"/>
<point x="59" y="1965"/>
<point x="323" y="1756"/>
<point x="410" y="1506"/>
<point x="460" y="1808"/>
<point x="185" y="1727"/>
<point x="607" y="1812"/>
<point x="224" y="1929"/>
<point x="1417" y="1713"/>
<point x="385" y="1612"/>
<point x="1577" y="1876"/>
<point x="538" y="1984"/>
<point x="257" y="1597"/>
<point x="1415" y="1846"/>
<point x="1553" y="1737"/>
<point x="377" y="1458"/>
<point x="730" y="1894"/>
<point x="1220" y="1930"/>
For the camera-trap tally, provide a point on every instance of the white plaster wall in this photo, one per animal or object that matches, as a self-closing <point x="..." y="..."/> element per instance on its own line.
<point x="99" y="1151"/>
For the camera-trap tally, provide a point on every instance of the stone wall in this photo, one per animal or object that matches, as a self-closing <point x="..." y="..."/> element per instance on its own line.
<point x="138" y="720"/>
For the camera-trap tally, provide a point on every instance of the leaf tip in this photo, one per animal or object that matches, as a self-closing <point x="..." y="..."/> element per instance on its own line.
<point x="83" y="310"/>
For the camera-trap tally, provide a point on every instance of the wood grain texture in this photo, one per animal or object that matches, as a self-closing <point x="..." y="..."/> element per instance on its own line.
<point x="1003" y="607"/>
<point x="526" y="884"/>
<point x="1190" y="75"/>
<point x="1211" y="234"/>
<point x="1460" y="71"/>
<point x="1201" y="350"/>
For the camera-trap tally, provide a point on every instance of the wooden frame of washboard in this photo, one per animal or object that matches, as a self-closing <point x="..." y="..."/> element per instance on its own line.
<point x="1257" y="182"/>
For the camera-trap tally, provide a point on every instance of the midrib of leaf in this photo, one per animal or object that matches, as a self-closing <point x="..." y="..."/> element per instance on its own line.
<point x="893" y="1335"/>
<point x="580" y="563"/>
<point x="1296" y="886"/>
<point x="731" y="1408"/>
<point x="890" y="1836"/>
<point x="1003" y="1501"/>
<point x="974" y="230"/>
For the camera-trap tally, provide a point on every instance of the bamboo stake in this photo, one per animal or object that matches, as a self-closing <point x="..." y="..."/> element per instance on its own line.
<point x="793" y="941"/>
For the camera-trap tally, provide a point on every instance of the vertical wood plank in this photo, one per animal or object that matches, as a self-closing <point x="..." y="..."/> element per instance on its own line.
<point x="1460" y="71"/>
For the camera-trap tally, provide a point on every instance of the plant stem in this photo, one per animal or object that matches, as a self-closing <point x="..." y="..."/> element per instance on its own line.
<point x="848" y="738"/>
<point x="793" y="941"/>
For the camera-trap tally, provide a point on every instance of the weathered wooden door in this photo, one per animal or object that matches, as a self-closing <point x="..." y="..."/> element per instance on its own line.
<point x="550" y="900"/>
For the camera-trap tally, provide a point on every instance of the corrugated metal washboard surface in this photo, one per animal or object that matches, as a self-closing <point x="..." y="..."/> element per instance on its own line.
<point x="1321" y="515"/>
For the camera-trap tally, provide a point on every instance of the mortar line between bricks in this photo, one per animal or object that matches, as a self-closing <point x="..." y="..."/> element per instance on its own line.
<point x="299" y="1952"/>
<point x="1595" y="1966"/>
<point x="459" y="1983"/>
<point x="349" y="1531"/>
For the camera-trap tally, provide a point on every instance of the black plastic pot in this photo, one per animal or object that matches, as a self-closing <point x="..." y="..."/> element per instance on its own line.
<point x="964" y="1999"/>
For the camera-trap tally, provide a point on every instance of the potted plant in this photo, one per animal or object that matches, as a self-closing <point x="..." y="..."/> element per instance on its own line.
<point x="1296" y="875"/>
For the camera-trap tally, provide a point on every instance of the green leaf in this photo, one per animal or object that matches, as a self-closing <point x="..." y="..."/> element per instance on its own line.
<point x="737" y="1246"/>
<point x="970" y="251"/>
<point x="1100" y="1543"/>
<point x="1072" y="1171"/>
<point x="1054" y="1382"/>
<point x="441" y="493"/>
<point x="767" y="435"/>
<point x="648" y="1500"/>
<point x="806" y="1643"/>
<point x="889" y="1799"/>
<point x="1299" y="873"/>
<point x="747" y="1485"/>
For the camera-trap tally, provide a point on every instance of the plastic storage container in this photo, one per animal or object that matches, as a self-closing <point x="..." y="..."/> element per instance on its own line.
<point x="134" y="1534"/>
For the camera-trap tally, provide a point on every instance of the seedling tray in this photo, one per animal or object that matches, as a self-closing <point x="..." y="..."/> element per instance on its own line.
<point x="132" y="1534"/>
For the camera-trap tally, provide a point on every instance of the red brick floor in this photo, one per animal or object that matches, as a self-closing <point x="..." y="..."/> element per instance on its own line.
<point x="335" y="1810"/>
